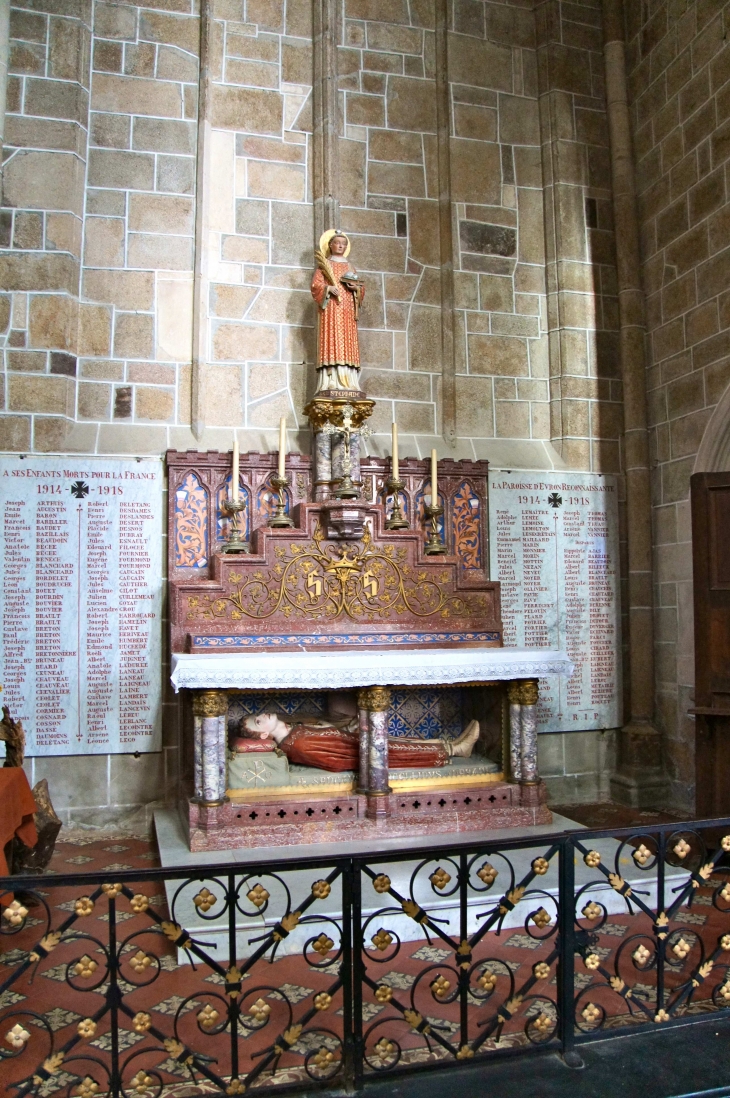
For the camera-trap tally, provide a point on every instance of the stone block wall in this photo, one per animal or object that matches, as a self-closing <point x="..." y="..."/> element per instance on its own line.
<point x="157" y="232"/>
<point x="679" y="82"/>
<point x="585" y="373"/>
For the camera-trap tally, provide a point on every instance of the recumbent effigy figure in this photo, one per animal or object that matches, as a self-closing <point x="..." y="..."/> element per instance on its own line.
<point x="334" y="744"/>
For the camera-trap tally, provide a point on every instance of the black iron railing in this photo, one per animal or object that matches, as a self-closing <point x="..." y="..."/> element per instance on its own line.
<point x="306" y="973"/>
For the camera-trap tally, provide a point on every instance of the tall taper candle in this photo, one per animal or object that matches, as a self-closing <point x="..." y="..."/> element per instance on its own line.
<point x="394" y="459"/>
<point x="434" y="481"/>
<point x="282" y="447"/>
<point x="234" y="471"/>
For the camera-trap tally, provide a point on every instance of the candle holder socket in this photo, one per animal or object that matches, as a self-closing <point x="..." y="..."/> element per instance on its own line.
<point x="280" y="519"/>
<point x="235" y="543"/>
<point x="434" y="542"/>
<point x="396" y="521"/>
<point x="346" y="488"/>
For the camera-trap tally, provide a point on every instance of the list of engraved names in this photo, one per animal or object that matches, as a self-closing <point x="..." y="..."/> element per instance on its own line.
<point x="80" y="603"/>
<point x="555" y="552"/>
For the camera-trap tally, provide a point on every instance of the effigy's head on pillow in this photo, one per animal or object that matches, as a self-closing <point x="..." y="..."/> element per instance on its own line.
<point x="261" y="727"/>
<point x="260" y="733"/>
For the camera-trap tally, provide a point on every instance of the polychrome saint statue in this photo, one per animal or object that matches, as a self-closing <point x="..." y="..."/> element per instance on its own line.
<point x="338" y="291"/>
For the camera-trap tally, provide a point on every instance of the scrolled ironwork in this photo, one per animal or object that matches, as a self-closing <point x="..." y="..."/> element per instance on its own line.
<point x="451" y="955"/>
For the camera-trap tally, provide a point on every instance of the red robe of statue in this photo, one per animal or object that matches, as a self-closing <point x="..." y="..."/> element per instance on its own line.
<point x="336" y="750"/>
<point x="338" y="344"/>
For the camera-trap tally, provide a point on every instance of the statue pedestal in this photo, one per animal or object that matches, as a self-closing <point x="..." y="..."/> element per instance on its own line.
<point x="345" y="518"/>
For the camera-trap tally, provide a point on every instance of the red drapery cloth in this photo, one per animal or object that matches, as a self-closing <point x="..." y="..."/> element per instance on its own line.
<point x="335" y="750"/>
<point x="17" y="808"/>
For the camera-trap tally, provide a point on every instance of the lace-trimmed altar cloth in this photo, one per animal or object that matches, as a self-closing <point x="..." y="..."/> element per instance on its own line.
<point x="346" y="669"/>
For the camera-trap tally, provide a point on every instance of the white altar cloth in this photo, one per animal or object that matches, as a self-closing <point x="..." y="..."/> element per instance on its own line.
<point x="338" y="670"/>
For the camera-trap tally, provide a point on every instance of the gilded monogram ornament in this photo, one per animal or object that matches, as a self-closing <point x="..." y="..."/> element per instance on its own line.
<point x="324" y="581"/>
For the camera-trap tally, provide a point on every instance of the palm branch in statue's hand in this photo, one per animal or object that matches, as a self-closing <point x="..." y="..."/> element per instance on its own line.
<point x="325" y="267"/>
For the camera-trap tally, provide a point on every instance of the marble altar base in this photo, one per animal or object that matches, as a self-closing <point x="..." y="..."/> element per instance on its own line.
<point x="290" y="820"/>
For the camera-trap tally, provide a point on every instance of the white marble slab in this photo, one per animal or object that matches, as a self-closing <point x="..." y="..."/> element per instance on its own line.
<point x="338" y="670"/>
<point x="81" y="602"/>
<point x="174" y="852"/>
<point x="554" y="549"/>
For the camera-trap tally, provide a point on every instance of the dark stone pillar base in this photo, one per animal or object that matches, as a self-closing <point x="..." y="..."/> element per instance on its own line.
<point x="378" y="808"/>
<point x="639" y="780"/>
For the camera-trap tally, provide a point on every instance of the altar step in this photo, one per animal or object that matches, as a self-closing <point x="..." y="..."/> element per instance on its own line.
<point x="293" y="819"/>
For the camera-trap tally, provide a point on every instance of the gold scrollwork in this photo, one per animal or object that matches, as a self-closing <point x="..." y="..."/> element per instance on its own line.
<point x="210" y="703"/>
<point x="326" y="410"/>
<point x="322" y="580"/>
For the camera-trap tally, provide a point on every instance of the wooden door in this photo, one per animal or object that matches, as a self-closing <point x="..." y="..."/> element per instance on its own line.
<point x="710" y="495"/>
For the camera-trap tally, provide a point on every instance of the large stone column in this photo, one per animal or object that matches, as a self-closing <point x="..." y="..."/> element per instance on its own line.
<point x="364" y="729"/>
<point x="529" y="772"/>
<point x="639" y="780"/>
<point x="325" y="148"/>
<point x="322" y="448"/>
<point x="210" y="709"/>
<point x="375" y="702"/>
<point x="515" y="731"/>
<point x="568" y="270"/>
<point x="523" y="695"/>
<point x="203" y="198"/>
<point x="445" y="225"/>
<point x="4" y="49"/>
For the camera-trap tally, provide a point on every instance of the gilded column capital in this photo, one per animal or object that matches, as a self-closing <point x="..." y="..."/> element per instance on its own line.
<point x="210" y="703"/>
<point x="514" y="692"/>
<point x="529" y="691"/>
<point x="376" y="699"/>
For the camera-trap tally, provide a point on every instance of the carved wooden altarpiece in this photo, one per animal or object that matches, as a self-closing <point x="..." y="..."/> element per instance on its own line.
<point x="311" y="588"/>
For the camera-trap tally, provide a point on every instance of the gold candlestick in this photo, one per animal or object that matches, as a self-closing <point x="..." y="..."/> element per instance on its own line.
<point x="280" y="517"/>
<point x="434" y="544"/>
<point x="235" y="543"/>
<point x="396" y="520"/>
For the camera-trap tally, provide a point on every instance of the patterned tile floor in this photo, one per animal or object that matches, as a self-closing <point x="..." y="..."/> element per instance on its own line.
<point x="58" y="1008"/>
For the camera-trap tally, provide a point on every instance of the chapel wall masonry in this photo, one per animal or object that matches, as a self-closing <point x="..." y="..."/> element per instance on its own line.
<point x="679" y="83"/>
<point x="111" y="166"/>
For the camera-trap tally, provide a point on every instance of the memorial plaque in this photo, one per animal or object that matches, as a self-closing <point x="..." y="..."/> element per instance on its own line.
<point x="81" y="602"/>
<point x="554" y="539"/>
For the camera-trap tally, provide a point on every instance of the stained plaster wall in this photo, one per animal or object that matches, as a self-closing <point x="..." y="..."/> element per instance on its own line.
<point x="112" y="167"/>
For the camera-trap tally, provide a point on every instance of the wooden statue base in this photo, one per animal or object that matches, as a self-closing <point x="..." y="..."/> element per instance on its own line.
<point x="294" y="820"/>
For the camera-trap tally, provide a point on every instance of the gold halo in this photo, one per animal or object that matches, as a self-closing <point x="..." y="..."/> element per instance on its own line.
<point x="324" y="242"/>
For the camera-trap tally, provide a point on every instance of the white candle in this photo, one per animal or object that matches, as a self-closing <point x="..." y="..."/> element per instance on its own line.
<point x="282" y="447"/>
<point x="234" y="471"/>
<point x="434" y="481"/>
<point x="394" y="471"/>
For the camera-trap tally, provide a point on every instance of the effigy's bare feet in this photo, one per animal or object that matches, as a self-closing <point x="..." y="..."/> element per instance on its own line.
<point x="462" y="747"/>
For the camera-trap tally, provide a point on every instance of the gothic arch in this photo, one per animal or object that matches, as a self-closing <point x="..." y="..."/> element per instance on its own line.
<point x="713" y="455"/>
